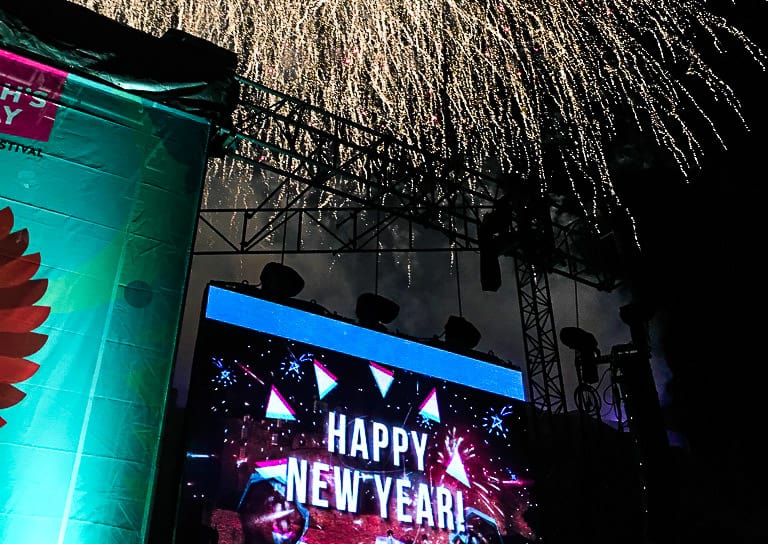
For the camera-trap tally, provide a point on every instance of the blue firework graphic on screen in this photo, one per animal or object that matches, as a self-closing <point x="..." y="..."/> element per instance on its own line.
<point x="425" y="422"/>
<point x="493" y="421"/>
<point x="292" y="366"/>
<point x="226" y="375"/>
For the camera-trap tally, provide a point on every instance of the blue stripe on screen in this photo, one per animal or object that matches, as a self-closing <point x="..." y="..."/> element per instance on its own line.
<point x="279" y="320"/>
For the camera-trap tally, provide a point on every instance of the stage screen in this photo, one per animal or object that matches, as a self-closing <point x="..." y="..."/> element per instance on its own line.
<point x="308" y="428"/>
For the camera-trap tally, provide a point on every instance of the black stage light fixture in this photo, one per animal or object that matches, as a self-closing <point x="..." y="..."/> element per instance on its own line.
<point x="578" y="339"/>
<point x="637" y="313"/>
<point x="587" y="353"/>
<point x="490" y="270"/>
<point x="373" y="310"/>
<point x="280" y="280"/>
<point x="461" y="333"/>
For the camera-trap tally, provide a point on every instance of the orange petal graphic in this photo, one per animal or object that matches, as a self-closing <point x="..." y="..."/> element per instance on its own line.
<point x="6" y="221"/>
<point x="9" y="395"/>
<point x="19" y="270"/>
<point x="18" y="313"/>
<point x="13" y="246"/>
<point x="21" y="344"/>
<point x="15" y="370"/>
<point x="24" y="319"/>
<point x="25" y="294"/>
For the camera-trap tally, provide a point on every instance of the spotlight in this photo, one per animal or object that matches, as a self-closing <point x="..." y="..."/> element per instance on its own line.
<point x="372" y="310"/>
<point x="587" y="353"/>
<point x="636" y="313"/>
<point x="578" y="339"/>
<point x="461" y="333"/>
<point x="490" y="270"/>
<point x="280" y="281"/>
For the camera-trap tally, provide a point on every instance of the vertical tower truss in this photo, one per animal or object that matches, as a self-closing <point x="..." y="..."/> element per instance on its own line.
<point x="545" y="380"/>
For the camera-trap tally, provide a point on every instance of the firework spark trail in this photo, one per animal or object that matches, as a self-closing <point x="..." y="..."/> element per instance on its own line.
<point x="489" y="82"/>
<point x="250" y="373"/>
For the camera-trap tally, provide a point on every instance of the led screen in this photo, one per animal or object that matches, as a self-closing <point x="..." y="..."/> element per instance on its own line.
<point x="307" y="428"/>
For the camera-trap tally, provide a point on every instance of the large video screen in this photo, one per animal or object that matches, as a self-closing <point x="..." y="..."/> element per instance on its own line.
<point x="308" y="428"/>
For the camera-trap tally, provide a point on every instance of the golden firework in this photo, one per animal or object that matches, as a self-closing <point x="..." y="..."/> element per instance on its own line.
<point x="495" y="83"/>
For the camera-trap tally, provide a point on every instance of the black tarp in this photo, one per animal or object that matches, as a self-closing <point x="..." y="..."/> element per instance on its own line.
<point x="176" y="69"/>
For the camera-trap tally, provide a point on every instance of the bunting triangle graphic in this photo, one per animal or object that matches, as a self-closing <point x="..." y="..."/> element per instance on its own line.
<point x="325" y="380"/>
<point x="383" y="377"/>
<point x="429" y="408"/>
<point x="456" y="468"/>
<point x="277" y="469"/>
<point x="278" y="408"/>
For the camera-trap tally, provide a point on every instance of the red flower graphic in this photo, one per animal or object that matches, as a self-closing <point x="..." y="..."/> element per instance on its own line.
<point x="18" y="314"/>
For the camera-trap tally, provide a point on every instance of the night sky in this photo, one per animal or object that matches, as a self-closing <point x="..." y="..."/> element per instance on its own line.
<point x="700" y="270"/>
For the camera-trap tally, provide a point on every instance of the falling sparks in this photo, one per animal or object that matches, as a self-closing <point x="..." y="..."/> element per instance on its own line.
<point x="249" y="372"/>
<point x="531" y="87"/>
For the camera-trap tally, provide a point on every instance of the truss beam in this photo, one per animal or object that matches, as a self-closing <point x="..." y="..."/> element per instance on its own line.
<point x="545" y="380"/>
<point x="334" y="186"/>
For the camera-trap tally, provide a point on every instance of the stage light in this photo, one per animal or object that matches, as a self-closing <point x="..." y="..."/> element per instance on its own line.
<point x="637" y="313"/>
<point x="578" y="339"/>
<point x="587" y="353"/>
<point x="372" y="310"/>
<point x="518" y="225"/>
<point x="280" y="281"/>
<point x="461" y="333"/>
<point x="490" y="270"/>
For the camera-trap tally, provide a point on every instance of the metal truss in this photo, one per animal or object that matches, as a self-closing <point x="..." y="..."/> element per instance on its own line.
<point x="545" y="380"/>
<point x="366" y="181"/>
<point x="329" y="229"/>
<point x="333" y="186"/>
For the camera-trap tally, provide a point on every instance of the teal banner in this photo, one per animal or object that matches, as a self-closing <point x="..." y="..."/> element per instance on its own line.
<point x="99" y="192"/>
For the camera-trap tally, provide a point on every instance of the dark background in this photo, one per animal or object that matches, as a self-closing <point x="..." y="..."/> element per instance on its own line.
<point x="701" y="268"/>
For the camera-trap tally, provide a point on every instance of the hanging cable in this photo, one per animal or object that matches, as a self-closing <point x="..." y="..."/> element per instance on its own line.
<point x="458" y="280"/>
<point x="576" y="299"/>
<point x="376" y="281"/>
<point x="285" y="232"/>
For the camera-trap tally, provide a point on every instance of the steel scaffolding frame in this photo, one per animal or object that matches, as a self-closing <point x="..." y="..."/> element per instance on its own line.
<point x="371" y="185"/>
